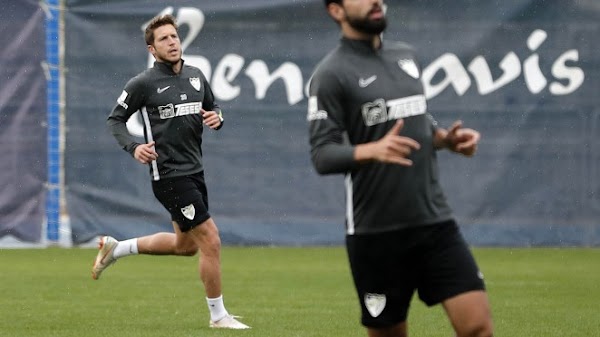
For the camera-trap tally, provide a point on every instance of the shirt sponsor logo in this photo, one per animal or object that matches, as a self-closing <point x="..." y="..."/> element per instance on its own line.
<point x="166" y="111"/>
<point x="407" y="106"/>
<point x="170" y="111"/>
<point x="121" y="100"/>
<point x="313" y="110"/>
<point x="379" y="111"/>
<point x="374" y="112"/>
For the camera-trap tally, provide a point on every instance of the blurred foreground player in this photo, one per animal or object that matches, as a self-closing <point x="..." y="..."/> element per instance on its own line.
<point x="368" y="120"/>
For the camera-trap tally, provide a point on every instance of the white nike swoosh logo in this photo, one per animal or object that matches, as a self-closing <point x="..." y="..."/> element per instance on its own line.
<point x="161" y="90"/>
<point x="363" y="83"/>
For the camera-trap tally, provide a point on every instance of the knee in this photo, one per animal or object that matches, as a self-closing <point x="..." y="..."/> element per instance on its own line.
<point x="213" y="244"/>
<point x="481" y="329"/>
<point x="187" y="250"/>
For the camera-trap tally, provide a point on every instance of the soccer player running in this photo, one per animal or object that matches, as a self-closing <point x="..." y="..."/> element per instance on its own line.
<point x="176" y="102"/>
<point x="368" y="120"/>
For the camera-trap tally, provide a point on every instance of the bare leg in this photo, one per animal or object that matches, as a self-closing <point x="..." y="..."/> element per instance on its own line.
<point x="177" y="243"/>
<point x="395" y="331"/>
<point x="206" y="237"/>
<point x="470" y="314"/>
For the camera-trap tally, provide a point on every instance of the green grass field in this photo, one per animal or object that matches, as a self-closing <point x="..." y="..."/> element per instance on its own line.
<point x="280" y="292"/>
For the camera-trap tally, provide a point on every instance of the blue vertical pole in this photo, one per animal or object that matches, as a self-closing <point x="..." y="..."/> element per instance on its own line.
<point x="53" y="116"/>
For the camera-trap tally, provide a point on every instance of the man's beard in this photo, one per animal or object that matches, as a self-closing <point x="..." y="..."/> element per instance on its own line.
<point x="167" y="59"/>
<point x="365" y="25"/>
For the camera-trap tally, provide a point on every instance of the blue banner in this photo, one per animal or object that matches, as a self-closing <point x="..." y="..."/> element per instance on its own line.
<point x="523" y="72"/>
<point x="22" y="121"/>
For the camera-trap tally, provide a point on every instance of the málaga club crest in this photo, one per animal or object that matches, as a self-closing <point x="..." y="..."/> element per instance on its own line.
<point x="195" y="82"/>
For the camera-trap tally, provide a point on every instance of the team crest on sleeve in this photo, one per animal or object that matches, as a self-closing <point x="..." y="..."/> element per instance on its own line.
<point x="313" y="110"/>
<point x="195" y="82"/>
<point x="121" y="99"/>
<point x="375" y="303"/>
<point x="410" y="67"/>
<point x="189" y="211"/>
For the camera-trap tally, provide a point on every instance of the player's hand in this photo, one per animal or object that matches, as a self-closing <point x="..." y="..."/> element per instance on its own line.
<point x="211" y="119"/>
<point x="393" y="148"/>
<point x="144" y="153"/>
<point x="462" y="140"/>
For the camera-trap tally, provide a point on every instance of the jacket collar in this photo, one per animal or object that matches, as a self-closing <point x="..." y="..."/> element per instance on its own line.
<point x="167" y="67"/>
<point x="364" y="46"/>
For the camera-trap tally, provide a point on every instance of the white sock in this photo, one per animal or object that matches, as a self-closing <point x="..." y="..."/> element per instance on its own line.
<point x="216" y="308"/>
<point x="126" y="248"/>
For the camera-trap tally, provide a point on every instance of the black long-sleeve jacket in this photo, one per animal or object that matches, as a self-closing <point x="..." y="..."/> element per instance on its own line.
<point x="356" y="95"/>
<point x="170" y="105"/>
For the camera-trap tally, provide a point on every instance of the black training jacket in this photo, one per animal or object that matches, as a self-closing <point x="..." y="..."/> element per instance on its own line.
<point x="170" y="105"/>
<point x="356" y="95"/>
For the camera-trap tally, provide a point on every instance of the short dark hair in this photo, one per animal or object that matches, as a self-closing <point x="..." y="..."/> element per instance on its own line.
<point x="327" y="2"/>
<point x="158" y="21"/>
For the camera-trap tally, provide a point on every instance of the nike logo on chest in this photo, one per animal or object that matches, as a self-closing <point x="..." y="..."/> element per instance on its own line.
<point x="365" y="82"/>
<point x="161" y="90"/>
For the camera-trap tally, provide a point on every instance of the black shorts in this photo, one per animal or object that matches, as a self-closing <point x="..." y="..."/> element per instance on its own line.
<point x="387" y="269"/>
<point x="185" y="198"/>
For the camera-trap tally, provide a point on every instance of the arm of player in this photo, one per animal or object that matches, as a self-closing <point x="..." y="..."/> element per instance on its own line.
<point x="213" y="116"/>
<point x="457" y="139"/>
<point x="340" y="157"/>
<point x="212" y="119"/>
<point x="127" y="104"/>
<point x="391" y="149"/>
<point x="331" y="150"/>
<point x="145" y="153"/>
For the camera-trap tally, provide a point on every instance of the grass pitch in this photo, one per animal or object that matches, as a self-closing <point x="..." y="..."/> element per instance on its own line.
<point x="279" y="292"/>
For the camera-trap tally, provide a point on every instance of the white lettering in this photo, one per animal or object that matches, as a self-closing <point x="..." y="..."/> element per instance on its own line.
<point x="456" y="75"/>
<point x="406" y="107"/>
<point x="533" y="75"/>
<point x="288" y="72"/>
<point x="568" y="77"/>
<point x="227" y="70"/>
<point x="574" y="75"/>
<point x="188" y="108"/>
<point x="194" y="19"/>
<point x="479" y="68"/>
<point x="534" y="78"/>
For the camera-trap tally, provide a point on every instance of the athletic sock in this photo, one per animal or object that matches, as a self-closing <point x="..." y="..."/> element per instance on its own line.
<point x="126" y="248"/>
<point x="216" y="308"/>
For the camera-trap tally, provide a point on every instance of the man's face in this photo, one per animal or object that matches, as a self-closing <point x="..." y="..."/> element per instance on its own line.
<point x="166" y="46"/>
<point x="365" y="16"/>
